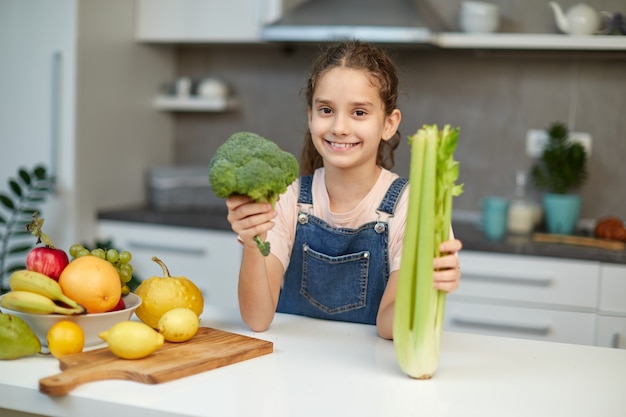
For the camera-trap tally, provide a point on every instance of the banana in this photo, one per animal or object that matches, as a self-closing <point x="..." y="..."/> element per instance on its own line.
<point x="33" y="303"/>
<point x="25" y="280"/>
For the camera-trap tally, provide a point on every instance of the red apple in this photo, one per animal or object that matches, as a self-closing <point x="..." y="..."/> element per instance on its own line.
<point x="119" y="306"/>
<point x="48" y="261"/>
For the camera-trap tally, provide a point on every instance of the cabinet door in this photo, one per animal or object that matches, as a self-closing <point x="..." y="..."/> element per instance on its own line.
<point x="520" y="322"/>
<point x="613" y="289"/>
<point x="529" y="279"/>
<point x="611" y="332"/>
<point x="209" y="258"/>
<point x="198" y="20"/>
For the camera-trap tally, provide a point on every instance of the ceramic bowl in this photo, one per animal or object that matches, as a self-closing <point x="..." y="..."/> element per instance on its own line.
<point x="92" y="324"/>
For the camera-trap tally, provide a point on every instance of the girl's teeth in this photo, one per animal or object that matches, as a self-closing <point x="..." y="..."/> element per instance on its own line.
<point x="342" y="145"/>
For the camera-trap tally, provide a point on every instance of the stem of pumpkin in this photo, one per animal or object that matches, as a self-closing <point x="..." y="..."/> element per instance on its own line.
<point x="166" y="272"/>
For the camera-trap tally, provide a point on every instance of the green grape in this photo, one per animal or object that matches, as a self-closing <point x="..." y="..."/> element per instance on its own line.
<point x="125" y="257"/>
<point x="99" y="252"/>
<point x="125" y="276"/>
<point x="126" y="272"/>
<point x="113" y="256"/>
<point x="83" y="252"/>
<point x="75" y="249"/>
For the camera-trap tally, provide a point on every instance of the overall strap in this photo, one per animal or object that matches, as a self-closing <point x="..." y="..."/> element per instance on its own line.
<point x="388" y="205"/>
<point x="305" y="195"/>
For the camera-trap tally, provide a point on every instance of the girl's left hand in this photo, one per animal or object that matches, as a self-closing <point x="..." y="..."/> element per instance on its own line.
<point x="447" y="268"/>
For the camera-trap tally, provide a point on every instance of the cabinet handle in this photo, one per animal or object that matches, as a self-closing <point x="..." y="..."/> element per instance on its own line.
<point x="55" y="114"/>
<point x="616" y="341"/>
<point x="166" y="248"/>
<point x="499" y="279"/>
<point x="538" y="329"/>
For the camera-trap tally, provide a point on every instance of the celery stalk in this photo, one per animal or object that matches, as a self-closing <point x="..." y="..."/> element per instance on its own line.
<point x="419" y="308"/>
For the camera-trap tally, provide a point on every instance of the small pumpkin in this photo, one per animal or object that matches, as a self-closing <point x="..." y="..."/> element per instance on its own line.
<point x="162" y="294"/>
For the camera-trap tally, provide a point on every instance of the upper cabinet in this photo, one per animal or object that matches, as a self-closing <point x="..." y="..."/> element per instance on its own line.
<point x="201" y="21"/>
<point x="251" y="21"/>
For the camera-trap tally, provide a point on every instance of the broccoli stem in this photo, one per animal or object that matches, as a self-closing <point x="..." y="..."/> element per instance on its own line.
<point x="264" y="247"/>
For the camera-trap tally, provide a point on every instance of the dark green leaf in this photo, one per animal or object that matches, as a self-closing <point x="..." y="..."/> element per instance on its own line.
<point x="40" y="172"/>
<point x="24" y="175"/>
<point x="15" y="267"/>
<point x="19" y="248"/>
<point x="17" y="190"/>
<point x="7" y="202"/>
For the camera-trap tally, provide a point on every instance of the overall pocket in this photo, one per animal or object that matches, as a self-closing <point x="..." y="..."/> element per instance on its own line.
<point x="335" y="284"/>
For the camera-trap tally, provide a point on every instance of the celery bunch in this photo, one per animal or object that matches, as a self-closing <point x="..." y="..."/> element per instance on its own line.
<point x="419" y="308"/>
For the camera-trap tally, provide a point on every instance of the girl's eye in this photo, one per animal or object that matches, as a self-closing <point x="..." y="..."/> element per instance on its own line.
<point x="325" y="110"/>
<point x="360" y="113"/>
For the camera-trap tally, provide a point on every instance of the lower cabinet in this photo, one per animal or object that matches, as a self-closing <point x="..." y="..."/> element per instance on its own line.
<point x="209" y="258"/>
<point x="550" y="299"/>
<point x="611" y="325"/>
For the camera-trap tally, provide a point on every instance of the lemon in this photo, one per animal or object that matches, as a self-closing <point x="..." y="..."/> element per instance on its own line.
<point x="132" y="339"/>
<point x="162" y="294"/>
<point x="179" y="324"/>
<point x="65" y="338"/>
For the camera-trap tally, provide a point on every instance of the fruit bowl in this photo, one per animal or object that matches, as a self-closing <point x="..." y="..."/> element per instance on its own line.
<point x="92" y="324"/>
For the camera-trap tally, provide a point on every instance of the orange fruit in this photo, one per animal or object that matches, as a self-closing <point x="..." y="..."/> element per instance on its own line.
<point x="92" y="282"/>
<point x="64" y="338"/>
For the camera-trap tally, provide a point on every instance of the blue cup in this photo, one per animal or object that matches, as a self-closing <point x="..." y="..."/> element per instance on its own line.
<point x="494" y="217"/>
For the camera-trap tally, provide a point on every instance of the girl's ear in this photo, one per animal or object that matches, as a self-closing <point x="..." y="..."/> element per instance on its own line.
<point x="391" y="124"/>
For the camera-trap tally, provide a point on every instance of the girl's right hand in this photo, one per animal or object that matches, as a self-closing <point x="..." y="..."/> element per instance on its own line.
<point x="249" y="219"/>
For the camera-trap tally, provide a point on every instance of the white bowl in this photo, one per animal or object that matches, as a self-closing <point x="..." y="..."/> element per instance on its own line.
<point x="92" y="324"/>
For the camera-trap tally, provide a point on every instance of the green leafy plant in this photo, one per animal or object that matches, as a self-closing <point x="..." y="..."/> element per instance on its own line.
<point x="27" y="191"/>
<point x="562" y="167"/>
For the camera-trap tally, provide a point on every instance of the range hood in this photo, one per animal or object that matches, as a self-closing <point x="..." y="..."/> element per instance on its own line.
<point x="387" y="21"/>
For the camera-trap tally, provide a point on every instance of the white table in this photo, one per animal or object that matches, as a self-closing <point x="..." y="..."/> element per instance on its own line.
<point x="322" y="369"/>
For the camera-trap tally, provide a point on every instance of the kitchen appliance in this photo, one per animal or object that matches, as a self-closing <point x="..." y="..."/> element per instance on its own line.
<point x="180" y="188"/>
<point x="208" y="349"/>
<point x="368" y="20"/>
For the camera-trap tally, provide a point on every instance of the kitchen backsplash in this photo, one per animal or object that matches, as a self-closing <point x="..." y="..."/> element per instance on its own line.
<point x="493" y="96"/>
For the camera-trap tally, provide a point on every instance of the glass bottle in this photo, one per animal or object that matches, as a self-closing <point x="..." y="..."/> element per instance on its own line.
<point x="522" y="217"/>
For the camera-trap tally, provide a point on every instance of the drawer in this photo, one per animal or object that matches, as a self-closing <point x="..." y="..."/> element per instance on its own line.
<point x="613" y="289"/>
<point x="611" y="331"/>
<point x="209" y="258"/>
<point x="529" y="279"/>
<point x="520" y="322"/>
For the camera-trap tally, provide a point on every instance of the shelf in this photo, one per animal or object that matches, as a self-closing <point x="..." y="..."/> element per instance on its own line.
<point x="195" y="104"/>
<point x="529" y="41"/>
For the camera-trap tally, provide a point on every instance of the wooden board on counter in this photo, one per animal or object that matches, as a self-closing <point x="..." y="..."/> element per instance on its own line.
<point x="208" y="349"/>
<point x="579" y="241"/>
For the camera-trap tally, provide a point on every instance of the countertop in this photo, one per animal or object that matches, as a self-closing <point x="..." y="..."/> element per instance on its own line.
<point x="466" y="231"/>
<point x="326" y="368"/>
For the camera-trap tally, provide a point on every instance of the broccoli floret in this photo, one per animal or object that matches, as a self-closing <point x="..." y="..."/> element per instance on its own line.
<point x="249" y="164"/>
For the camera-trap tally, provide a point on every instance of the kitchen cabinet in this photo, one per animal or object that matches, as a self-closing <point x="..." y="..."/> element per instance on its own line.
<point x="210" y="258"/>
<point x="76" y="89"/>
<point x="611" y="325"/>
<point x="193" y="21"/>
<point x="530" y="297"/>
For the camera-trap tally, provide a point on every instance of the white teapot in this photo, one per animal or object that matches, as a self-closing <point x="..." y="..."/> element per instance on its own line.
<point x="579" y="19"/>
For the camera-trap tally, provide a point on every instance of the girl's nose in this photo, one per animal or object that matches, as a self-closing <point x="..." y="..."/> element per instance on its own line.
<point x="340" y="126"/>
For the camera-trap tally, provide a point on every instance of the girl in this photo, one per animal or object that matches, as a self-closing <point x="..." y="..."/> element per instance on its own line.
<point x="336" y="234"/>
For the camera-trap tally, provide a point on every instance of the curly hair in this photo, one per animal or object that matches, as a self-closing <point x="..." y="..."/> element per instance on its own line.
<point x="363" y="56"/>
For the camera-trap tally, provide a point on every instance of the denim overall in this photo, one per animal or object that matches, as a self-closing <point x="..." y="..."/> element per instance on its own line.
<point x="338" y="273"/>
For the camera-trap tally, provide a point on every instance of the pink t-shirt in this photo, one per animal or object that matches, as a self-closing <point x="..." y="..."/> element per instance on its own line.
<point x="282" y="235"/>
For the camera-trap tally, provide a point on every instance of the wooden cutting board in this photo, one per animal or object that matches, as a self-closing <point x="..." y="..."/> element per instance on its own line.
<point x="579" y="241"/>
<point x="208" y="349"/>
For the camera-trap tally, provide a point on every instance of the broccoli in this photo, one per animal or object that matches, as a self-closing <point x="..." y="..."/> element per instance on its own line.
<point x="249" y="164"/>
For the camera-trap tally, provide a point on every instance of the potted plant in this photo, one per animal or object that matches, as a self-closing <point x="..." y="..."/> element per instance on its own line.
<point x="560" y="172"/>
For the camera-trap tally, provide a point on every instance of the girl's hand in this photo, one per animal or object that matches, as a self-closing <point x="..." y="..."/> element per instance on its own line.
<point x="249" y="219"/>
<point x="447" y="268"/>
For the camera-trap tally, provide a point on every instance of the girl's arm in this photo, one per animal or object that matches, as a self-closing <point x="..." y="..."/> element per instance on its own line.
<point x="446" y="278"/>
<point x="260" y="276"/>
